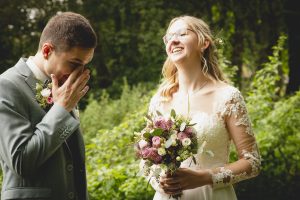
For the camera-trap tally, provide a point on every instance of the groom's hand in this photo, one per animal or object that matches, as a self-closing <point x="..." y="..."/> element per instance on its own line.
<point x="69" y="94"/>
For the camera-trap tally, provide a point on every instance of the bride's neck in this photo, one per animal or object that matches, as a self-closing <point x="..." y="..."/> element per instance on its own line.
<point x="190" y="78"/>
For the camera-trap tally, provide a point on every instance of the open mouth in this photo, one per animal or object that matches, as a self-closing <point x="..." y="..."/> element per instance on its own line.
<point x="177" y="49"/>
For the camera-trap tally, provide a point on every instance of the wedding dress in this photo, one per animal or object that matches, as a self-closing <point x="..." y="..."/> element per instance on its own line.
<point x="215" y="137"/>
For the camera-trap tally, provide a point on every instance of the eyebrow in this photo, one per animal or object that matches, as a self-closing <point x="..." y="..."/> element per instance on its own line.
<point x="180" y="30"/>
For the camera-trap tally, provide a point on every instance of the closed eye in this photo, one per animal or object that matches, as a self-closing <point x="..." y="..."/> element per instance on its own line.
<point x="75" y="64"/>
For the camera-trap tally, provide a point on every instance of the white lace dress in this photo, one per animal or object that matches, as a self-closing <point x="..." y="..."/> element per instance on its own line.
<point x="228" y="122"/>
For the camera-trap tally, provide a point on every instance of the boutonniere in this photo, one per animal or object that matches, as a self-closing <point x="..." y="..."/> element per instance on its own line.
<point x="44" y="94"/>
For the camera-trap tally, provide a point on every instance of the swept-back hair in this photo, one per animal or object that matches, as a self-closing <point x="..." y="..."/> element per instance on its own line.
<point x="209" y="58"/>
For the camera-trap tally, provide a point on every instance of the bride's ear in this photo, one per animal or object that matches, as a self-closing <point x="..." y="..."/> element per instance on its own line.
<point x="205" y="45"/>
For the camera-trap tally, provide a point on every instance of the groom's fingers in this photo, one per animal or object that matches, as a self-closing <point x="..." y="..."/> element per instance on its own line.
<point x="54" y="82"/>
<point x="73" y="76"/>
<point x="82" y="80"/>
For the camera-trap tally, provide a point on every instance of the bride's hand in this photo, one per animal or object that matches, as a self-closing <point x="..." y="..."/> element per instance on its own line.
<point x="184" y="179"/>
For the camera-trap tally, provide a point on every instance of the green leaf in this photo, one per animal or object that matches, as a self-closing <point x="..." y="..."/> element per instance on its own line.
<point x="173" y="113"/>
<point x="149" y="118"/>
<point x="191" y="124"/>
<point x="159" y="113"/>
<point x="157" y="132"/>
<point x="147" y="135"/>
<point x="194" y="159"/>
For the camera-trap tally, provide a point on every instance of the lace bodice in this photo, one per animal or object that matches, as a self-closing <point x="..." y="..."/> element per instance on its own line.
<point x="227" y="122"/>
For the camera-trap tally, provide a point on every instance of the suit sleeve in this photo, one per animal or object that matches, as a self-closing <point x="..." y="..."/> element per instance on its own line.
<point x="23" y="147"/>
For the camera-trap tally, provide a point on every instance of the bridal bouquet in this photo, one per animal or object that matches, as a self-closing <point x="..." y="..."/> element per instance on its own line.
<point x="165" y="142"/>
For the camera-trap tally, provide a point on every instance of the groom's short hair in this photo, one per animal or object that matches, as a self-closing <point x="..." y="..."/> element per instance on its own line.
<point x="67" y="30"/>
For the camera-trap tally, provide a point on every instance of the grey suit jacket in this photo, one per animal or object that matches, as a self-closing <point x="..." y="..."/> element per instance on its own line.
<point x="41" y="153"/>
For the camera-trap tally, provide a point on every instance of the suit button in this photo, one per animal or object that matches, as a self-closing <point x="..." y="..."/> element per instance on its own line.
<point x="70" y="167"/>
<point x="71" y="195"/>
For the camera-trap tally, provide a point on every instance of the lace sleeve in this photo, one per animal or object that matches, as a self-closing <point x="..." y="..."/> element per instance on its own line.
<point x="239" y="127"/>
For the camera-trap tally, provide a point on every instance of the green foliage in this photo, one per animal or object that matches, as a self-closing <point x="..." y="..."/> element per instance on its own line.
<point x="107" y="113"/>
<point x="1" y="178"/>
<point x="112" y="165"/>
<point x="276" y="122"/>
<point x="278" y="136"/>
<point x="264" y="89"/>
<point x="226" y="66"/>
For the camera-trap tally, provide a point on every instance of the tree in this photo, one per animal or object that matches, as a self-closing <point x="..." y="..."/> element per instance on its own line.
<point x="292" y="16"/>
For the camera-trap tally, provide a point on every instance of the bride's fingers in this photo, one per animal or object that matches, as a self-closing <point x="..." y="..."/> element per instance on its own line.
<point x="173" y="190"/>
<point x="171" y="187"/>
<point x="171" y="181"/>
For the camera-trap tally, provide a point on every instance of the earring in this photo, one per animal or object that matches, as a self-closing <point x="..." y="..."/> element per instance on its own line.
<point x="205" y="67"/>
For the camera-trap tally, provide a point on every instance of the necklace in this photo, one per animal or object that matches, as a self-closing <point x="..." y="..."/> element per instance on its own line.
<point x="191" y="94"/>
<point x="196" y="91"/>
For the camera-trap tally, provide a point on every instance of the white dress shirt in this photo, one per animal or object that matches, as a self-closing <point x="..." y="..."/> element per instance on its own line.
<point x="41" y="76"/>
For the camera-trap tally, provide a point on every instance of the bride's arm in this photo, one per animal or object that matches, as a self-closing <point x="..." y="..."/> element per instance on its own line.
<point x="239" y="128"/>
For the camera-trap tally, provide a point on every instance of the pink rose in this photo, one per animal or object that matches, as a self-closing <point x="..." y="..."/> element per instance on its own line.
<point x="182" y="135"/>
<point x="49" y="100"/>
<point x="156" y="141"/>
<point x="189" y="131"/>
<point x="151" y="154"/>
<point x="162" y="123"/>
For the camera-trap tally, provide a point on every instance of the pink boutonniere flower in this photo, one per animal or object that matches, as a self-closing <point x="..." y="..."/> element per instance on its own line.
<point x="44" y="94"/>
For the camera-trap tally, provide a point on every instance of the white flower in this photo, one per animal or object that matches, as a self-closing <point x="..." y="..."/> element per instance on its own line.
<point x="46" y="92"/>
<point x="38" y="87"/>
<point x="186" y="142"/>
<point x="174" y="143"/>
<point x="182" y="126"/>
<point x="161" y="151"/>
<point x="169" y="143"/>
<point x="173" y="136"/>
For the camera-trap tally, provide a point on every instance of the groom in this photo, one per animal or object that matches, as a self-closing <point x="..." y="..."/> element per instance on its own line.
<point x="41" y="148"/>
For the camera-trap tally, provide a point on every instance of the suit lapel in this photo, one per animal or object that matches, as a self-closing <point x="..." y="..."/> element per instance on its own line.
<point x="24" y="70"/>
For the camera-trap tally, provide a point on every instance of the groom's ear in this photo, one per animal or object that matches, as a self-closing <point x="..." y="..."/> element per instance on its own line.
<point x="47" y="49"/>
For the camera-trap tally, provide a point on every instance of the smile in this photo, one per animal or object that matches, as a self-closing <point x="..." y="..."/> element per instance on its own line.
<point x="177" y="49"/>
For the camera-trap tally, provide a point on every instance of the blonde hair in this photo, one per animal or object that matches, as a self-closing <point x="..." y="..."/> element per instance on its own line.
<point x="209" y="58"/>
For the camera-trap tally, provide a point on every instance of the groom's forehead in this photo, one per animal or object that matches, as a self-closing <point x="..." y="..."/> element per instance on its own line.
<point x="79" y="55"/>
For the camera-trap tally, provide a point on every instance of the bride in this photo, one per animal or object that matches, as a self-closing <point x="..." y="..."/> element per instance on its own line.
<point x="194" y="86"/>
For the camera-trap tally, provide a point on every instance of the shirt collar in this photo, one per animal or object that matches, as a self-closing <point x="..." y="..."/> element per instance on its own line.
<point x="36" y="70"/>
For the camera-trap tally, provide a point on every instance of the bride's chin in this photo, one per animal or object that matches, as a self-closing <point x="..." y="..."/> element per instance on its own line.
<point x="177" y="58"/>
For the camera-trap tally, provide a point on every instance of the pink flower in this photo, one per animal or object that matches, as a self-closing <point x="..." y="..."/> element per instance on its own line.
<point x="182" y="135"/>
<point x="151" y="154"/>
<point x="143" y="144"/>
<point x="189" y="131"/>
<point x="49" y="100"/>
<point x="156" y="141"/>
<point x="163" y="123"/>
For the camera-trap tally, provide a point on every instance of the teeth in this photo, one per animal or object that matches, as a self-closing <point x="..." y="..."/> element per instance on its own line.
<point x="177" y="49"/>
